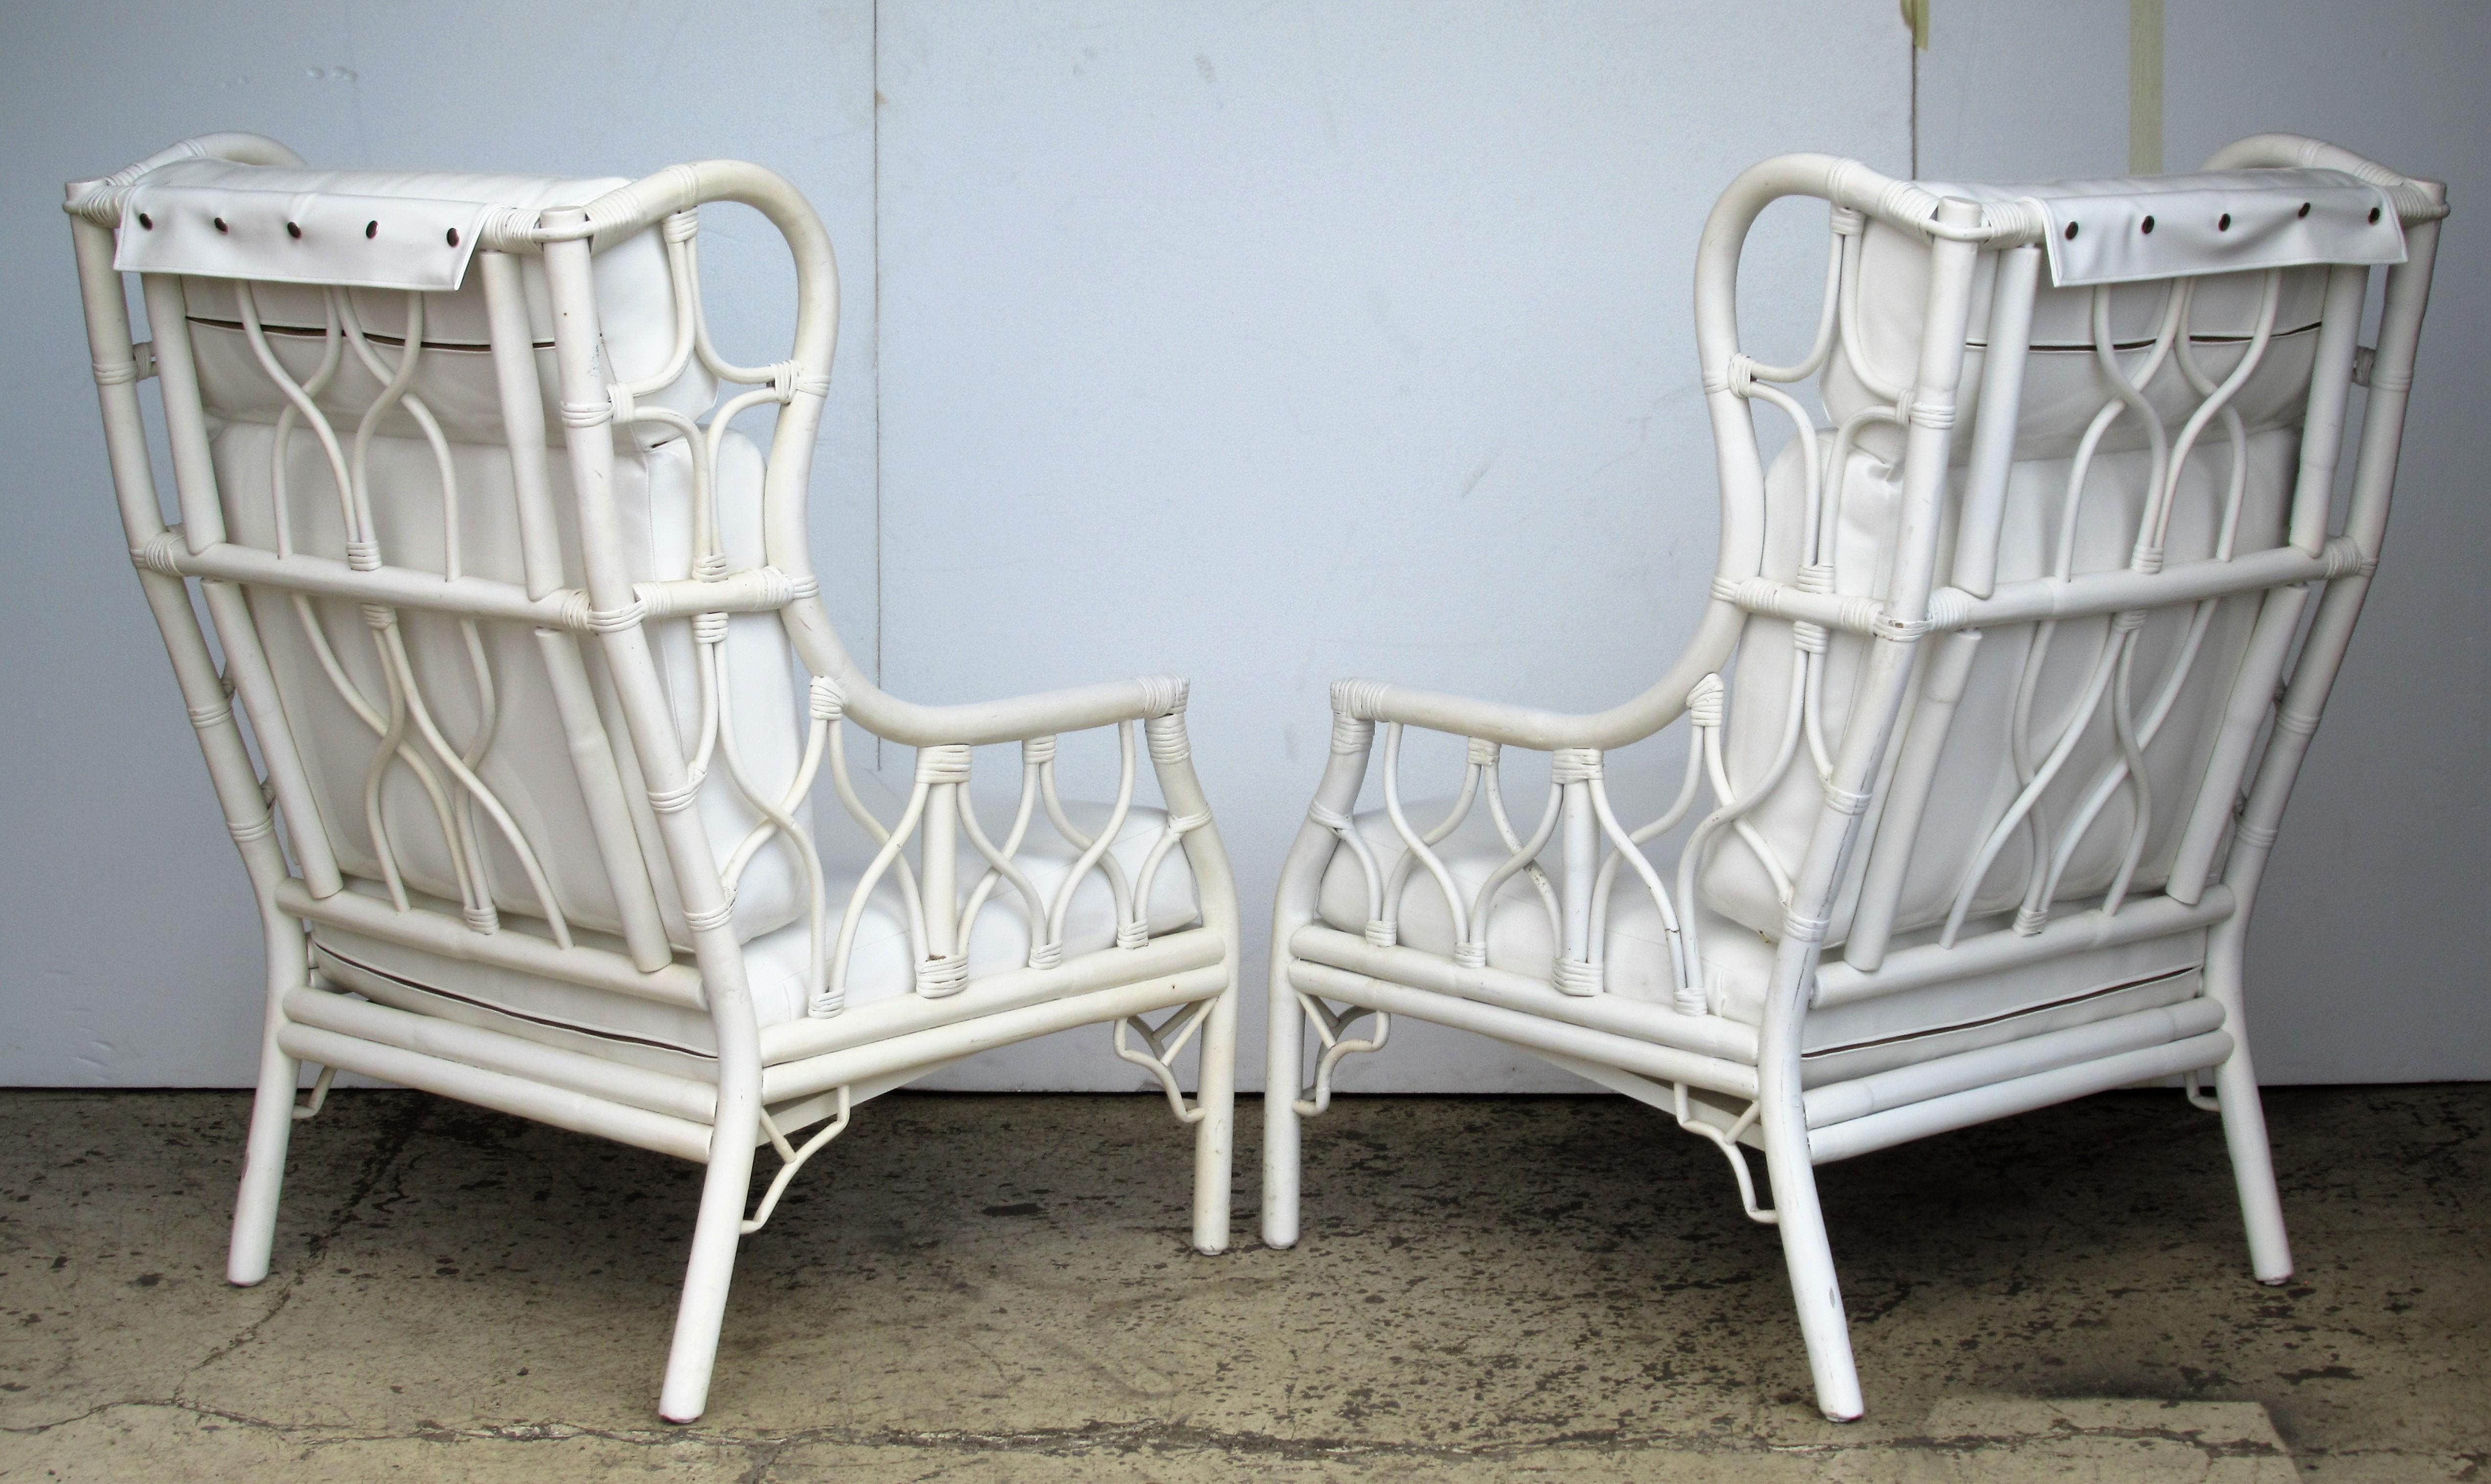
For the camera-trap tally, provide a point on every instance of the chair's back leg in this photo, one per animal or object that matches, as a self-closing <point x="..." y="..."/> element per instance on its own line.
<point x="229" y="766"/>
<point x="271" y="1113"/>
<point x="2243" y="1115"/>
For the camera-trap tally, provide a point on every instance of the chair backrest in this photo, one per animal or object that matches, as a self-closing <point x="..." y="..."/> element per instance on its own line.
<point x="408" y="521"/>
<point x="2021" y="602"/>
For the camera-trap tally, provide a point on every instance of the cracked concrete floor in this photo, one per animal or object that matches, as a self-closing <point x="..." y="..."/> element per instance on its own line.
<point x="979" y="1289"/>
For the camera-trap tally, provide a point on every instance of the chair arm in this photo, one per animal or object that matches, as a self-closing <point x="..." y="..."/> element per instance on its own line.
<point x="1544" y="731"/>
<point x="1015" y="718"/>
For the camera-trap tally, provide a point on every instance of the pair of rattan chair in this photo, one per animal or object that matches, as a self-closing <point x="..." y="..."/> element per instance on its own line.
<point x="541" y="694"/>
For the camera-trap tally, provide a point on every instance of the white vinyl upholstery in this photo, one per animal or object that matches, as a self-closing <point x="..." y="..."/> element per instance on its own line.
<point x="528" y="763"/>
<point x="1740" y="898"/>
<point x="1978" y="764"/>
<point x="1901" y="1028"/>
<point x="775" y="962"/>
<point x="2061" y="388"/>
<point x="455" y="379"/>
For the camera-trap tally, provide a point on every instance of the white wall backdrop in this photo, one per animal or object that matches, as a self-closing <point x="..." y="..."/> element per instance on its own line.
<point x="1260" y="343"/>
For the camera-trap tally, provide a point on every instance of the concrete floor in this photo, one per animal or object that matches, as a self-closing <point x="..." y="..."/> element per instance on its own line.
<point x="997" y="1289"/>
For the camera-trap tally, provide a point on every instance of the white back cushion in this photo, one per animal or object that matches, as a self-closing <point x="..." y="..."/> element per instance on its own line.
<point x="1975" y="776"/>
<point x="634" y="297"/>
<point x="528" y="766"/>
<point x="2062" y="383"/>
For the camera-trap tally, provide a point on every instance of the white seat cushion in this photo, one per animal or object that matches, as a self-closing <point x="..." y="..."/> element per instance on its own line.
<point x="668" y="1037"/>
<point x="1519" y="938"/>
<point x="1852" y="1040"/>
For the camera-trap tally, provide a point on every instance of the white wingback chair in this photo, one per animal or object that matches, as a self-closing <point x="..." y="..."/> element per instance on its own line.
<point x="1990" y="655"/>
<point x="541" y="690"/>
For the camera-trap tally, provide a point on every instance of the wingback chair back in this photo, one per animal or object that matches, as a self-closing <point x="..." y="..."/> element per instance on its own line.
<point x="357" y="423"/>
<point x="2145" y="428"/>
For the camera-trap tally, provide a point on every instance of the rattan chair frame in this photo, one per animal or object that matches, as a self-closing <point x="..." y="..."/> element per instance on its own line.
<point x="772" y="1083"/>
<point x="1737" y="1085"/>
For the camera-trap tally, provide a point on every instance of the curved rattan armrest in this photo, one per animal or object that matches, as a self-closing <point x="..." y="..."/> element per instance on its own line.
<point x="1012" y="718"/>
<point x="1542" y="731"/>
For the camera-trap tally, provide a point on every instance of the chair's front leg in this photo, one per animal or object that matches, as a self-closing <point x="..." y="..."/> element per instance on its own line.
<point x="1301" y="884"/>
<point x="1215" y="1135"/>
<point x="272" y="1112"/>
<point x="1283" y="1040"/>
<point x="1214" y="1131"/>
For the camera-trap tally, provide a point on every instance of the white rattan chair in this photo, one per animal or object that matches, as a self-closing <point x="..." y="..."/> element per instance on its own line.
<point x="541" y="764"/>
<point x="1987" y="662"/>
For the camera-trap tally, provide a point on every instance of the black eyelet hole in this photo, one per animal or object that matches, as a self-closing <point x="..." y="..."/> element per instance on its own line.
<point x="371" y="230"/>
<point x="2304" y="209"/>
<point x="221" y="225"/>
<point x="453" y="237"/>
<point x="146" y="224"/>
<point x="2374" y="216"/>
<point x="2149" y="224"/>
<point x="2223" y="224"/>
<point x="2070" y="233"/>
<point x="294" y="229"/>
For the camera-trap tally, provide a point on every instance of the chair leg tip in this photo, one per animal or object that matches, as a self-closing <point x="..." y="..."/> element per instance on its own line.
<point x="680" y="1410"/>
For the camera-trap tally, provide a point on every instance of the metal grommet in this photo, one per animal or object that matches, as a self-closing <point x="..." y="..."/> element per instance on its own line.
<point x="2223" y="224"/>
<point x="2374" y="216"/>
<point x="2304" y="209"/>
<point x="371" y="230"/>
<point x="2149" y="224"/>
<point x="146" y="224"/>
<point x="2070" y="233"/>
<point x="453" y="237"/>
<point x="221" y="225"/>
<point x="294" y="229"/>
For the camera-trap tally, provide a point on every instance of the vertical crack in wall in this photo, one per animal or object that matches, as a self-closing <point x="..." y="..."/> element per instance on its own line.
<point x="2144" y="87"/>
<point x="1917" y="43"/>
<point x="881" y="616"/>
